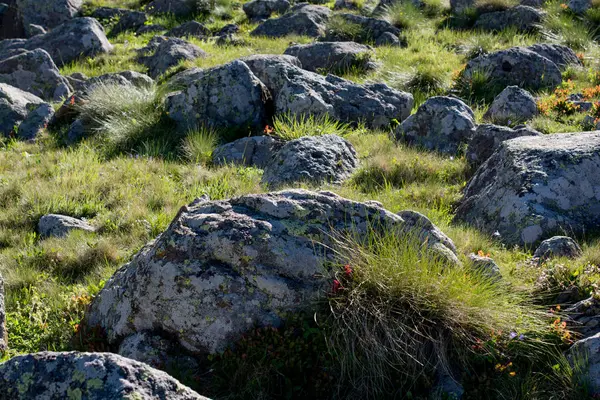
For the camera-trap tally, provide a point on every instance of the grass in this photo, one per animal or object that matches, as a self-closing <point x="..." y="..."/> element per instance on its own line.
<point x="290" y="127"/>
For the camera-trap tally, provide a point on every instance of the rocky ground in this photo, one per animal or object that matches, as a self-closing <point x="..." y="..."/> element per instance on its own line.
<point x="269" y="199"/>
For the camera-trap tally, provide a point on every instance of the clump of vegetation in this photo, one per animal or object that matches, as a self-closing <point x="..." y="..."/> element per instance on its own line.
<point x="290" y="127"/>
<point x="199" y="144"/>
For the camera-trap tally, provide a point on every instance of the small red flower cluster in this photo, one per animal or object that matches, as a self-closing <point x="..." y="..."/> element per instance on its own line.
<point x="337" y="284"/>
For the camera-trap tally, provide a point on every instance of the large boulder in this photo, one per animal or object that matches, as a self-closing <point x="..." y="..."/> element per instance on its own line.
<point x="92" y="376"/>
<point x="443" y="124"/>
<point x="365" y="30"/>
<point x="34" y="72"/>
<point x="584" y="316"/>
<point x="334" y="57"/>
<point x="560" y="55"/>
<point x="129" y="21"/>
<point x="84" y="85"/>
<point x="512" y="105"/>
<point x="179" y="8"/>
<point x="487" y="139"/>
<point x="225" y="267"/>
<point x="228" y="96"/>
<point x="516" y="66"/>
<point x="3" y="332"/>
<point x="302" y="19"/>
<point x="48" y="13"/>
<point x="534" y="187"/>
<point x="262" y="9"/>
<point x="15" y="108"/>
<point x="522" y="18"/>
<point x="300" y="92"/>
<point x="256" y="151"/>
<point x="163" y="53"/>
<point x="579" y="6"/>
<point x="76" y="38"/>
<point x="557" y="246"/>
<point x="312" y="159"/>
<point x="190" y="28"/>
<point x="60" y="225"/>
<point x="587" y="351"/>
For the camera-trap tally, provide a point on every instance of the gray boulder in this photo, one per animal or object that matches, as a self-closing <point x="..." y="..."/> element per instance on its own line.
<point x="512" y="105"/>
<point x="108" y="13"/>
<point x="55" y="225"/>
<point x="84" y="85"/>
<point x="129" y="21"/>
<point x="579" y="6"/>
<point x="522" y="18"/>
<point x="485" y="266"/>
<point x="588" y="351"/>
<point x="584" y="317"/>
<point x="190" y="28"/>
<point x="15" y="107"/>
<point x="35" y="30"/>
<point x="255" y="151"/>
<point x="92" y="376"/>
<point x="311" y="159"/>
<point x="157" y="352"/>
<point x="516" y="66"/>
<point x="334" y="57"/>
<point x="370" y="30"/>
<point x="37" y="120"/>
<point x="152" y="28"/>
<point x="3" y="332"/>
<point x="224" y="267"/>
<point x="302" y="19"/>
<point x="534" y="187"/>
<point x="487" y="140"/>
<point x="76" y="38"/>
<point x="48" y="13"/>
<point x="179" y="8"/>
<point x="228" y="96"/>
<point x="300" y="92"/>
<point x="560" y="55"/>
<point x="163" y="53"/>
<point x="34" y="72"/>
<point x="558" y="246"/>
<point x="460" y="6"/>
<point x="262" y="9"/>
<point x="441" y="123"/>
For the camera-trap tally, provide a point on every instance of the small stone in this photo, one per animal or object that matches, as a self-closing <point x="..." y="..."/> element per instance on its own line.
<point x="55" y="225"/>
<point x="558" y="246"/>
<point x="513" y="105"/>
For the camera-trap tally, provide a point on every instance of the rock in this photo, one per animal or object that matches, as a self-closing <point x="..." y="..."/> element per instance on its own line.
<point x="179" y="8"/>
<point x="460" y="6"/>
<point x="370" y="30"/>
<point x="560" y="55"/>
<point x="389" y="39"/>
<point x="522" y="18"/>
<point x="512" y="105"/>
<point x="584" y="317"/>
<point x="346" y="5"/>
<point x="229" y="39"/>
<point x="446" y="387"/>
<point x="558" y="246"/>
<point x="47" y="13"/>
<point x="441" y="123"/>
<point x="190" y="28"/>
<point x="167" y="52"/>
<point x="156" y="351"/>
<point x="255" y="151"/>
<point x="35" y="30"/>
<point x="77" y="38"/>
<point x="302" y="19"/>
<point x="579" y="6"/>
<point x="92" y="376"/>
<point x="311" y="159"/>
<point x="153" y="28"/>
<point x="223" y="268"/>
<point x="300" y="92"/>
<point x="262" y="9"/>
<point x="76" y="131"/>
<point x="36" y="121"/>
<point x="3" y="332"/>
<point x="11" y="23"/>
<point x="129" y="21"/>
<point x="534" y="187"/>
<point x="34" y="72"/>
<point x="108" y="13"/>
<point x="516" y="66"/>
<point x="55" y="225"/>
<point x="334" y="57"/>
<point x="587" y="351"/>
<point x="485" y="266"/>
<point x="15" y="106"/>
<point x="487" y="139"/>
<point x="123" y="78"/>
<point x="228" y="96"/>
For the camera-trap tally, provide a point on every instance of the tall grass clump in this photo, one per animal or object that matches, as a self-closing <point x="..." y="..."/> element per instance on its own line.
<point x="199" y="144"/>
<point x="400" y="313"/>
<point x="290" y="127"/>
<point x="404" y="15"/>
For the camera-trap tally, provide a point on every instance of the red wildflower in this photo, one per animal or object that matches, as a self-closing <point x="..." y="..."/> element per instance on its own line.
<point x="336" y="286"/>
<point x="348" y="270"/>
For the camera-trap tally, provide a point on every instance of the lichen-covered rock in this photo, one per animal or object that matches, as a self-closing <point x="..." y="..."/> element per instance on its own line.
<point x="179" y="8"/>
<point x="224" y="267"/>
<point x="512" y="105"/>
<point x="485" y="266"/>
<point x="300" y="92"/>
<point x="522" y="18"/>
<point x="534" y="187"/>
<point x="84" y="85"/>
<point x="55" y="225"/>
<point x="92" y="376"/>
<point x="76" y="38"/>
<point x="34" y="72"/>
<point x="37" y="120"/>
<point x="47" y="13"/>
<point x="190" y="28"/>
<point x="15" y="106"/>
<point x="255" y="151"/>
<point x="35" y="30"/>
<point x="228" y="96"/>
<point x="334" y="57"/>
<point x="3" y="331"/>
<point x="157" y="352"/>
<point x="312" y="159"/>
<point x="302" y="19"/>
<point x="441" y="123"/>
<point x="579" y="6"/>
<point x="516" y="66"/>
<point x="487" y="139"/>
<point x="163" y="53"/>
<point x="560" y="55"/>
<point x="262" y="9"/>
<point x="557" y="246"/>
<point x="370" y="30"/>
<point x="584" y="317"/>
<point x="587" y="351"/>
<point x="129" y="21"/>
<point x="152" y="28"/>
<point x="108" y="13"/>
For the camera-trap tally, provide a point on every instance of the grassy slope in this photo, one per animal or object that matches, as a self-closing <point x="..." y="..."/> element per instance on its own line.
<point x="132" y="189"/>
